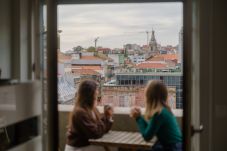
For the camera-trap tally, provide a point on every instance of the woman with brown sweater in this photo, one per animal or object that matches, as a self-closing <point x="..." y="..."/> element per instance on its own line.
<point x="86" y="122"/>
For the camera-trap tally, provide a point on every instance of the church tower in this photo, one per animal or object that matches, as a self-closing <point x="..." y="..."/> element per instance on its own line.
<point x="153" y="43"/>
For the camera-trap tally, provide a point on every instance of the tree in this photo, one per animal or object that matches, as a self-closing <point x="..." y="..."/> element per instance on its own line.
<point x="91" y="49"/>
<point x="77" y="49"/>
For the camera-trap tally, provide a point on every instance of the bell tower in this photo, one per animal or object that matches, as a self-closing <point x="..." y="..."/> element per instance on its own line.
<point x="153" y="43"/>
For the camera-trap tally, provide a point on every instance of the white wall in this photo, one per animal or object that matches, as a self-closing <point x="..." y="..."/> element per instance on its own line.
<point x="61" y="68"/>
<point x="115" y="58"/>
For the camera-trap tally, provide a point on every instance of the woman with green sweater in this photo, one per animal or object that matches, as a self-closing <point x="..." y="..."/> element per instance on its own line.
<point x="158" y="120"/>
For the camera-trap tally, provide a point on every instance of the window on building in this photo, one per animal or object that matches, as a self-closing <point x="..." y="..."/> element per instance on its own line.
<point x="122" y="102"/>
<point x="110" y="99"/>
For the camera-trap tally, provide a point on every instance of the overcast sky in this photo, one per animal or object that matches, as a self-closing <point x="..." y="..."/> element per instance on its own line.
<point x="118" y="24"/>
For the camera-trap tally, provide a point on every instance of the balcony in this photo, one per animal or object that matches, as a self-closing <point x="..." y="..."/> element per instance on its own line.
<point x="121" y="120"/>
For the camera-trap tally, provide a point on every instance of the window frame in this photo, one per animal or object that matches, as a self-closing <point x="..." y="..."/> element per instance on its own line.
<point x="124" y="81"/>
<point x="187" y="55"/>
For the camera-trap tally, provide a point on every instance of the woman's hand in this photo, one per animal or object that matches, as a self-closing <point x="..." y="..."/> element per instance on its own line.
<point x="108" y="111"/>
<point x="135" y="112"/>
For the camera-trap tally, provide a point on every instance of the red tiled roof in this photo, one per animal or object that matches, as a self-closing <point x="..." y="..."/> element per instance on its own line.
<point x="90" y="58"/>
<point x="88" y="67"/>
<point x="163" y="57"/>
<point x="146" y="65"/>
<point x="158" y="58"/>
<point x="85" y="72"/>
<point x="168" y="56"/>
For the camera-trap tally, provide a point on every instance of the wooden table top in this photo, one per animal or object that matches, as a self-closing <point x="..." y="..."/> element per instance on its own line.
<point x="123" y="139"/>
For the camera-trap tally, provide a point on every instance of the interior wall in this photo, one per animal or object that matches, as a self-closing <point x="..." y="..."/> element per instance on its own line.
<point x="15" y="39"/>
<point x="220" y="75"/>
<point x="213" y="78"/>
<point x="21" y="101"/>
<point x="5" y="38"/>
<point x="25" y="40"/>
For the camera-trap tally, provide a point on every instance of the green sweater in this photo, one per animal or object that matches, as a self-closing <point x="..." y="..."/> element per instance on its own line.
<point x="163" y="125"/>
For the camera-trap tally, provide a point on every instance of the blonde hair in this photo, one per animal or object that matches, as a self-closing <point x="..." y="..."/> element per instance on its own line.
<point x="156" y="95"/>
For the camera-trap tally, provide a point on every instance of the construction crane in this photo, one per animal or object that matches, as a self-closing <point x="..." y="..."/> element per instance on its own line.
<point x="146" y="32"/>
<point x="96" y="40"/>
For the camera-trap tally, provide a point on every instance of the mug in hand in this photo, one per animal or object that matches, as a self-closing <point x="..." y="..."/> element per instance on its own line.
<point x="99" y="98"/>
<point x="107" y="108"/>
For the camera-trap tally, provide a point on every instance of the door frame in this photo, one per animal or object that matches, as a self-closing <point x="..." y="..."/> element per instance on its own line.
<point x="52" y="64"/>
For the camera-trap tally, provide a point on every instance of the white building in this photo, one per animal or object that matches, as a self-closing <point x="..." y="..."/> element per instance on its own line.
<point x="76" y="56"/>
<point x="115" y="58"/>
<point x="137" y="58"/>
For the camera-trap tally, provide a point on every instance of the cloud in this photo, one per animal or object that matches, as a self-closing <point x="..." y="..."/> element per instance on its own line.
<point x="118" y="24"/>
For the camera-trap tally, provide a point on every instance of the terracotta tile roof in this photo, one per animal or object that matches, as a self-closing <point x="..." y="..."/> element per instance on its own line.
<point x="168" y="56"/>
<point x="88" y="67"/>
<point x="158" y="58"/>
<point x="148" y="64"/>
<point x="90" y="58"/>
<point x="163" y="57"/>
<point x="85" y="72"/>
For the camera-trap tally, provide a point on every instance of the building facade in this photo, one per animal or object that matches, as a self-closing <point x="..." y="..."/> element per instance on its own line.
<point x="174" y="80"/>
<point x="180" y="47"/>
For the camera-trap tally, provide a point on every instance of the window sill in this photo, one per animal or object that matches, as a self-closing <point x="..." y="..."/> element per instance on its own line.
<point x="117" y="110"/>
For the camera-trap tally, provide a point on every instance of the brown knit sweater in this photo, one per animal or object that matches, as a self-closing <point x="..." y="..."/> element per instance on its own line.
<point x="84" y="127"/>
